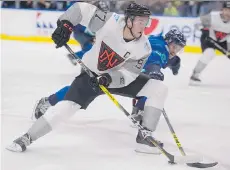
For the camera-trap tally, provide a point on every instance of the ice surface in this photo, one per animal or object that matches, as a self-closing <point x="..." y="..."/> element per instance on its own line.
<point x="101" y="137"/>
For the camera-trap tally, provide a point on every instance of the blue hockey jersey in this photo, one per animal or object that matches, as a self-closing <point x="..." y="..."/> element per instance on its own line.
<point x="160" y="54"/>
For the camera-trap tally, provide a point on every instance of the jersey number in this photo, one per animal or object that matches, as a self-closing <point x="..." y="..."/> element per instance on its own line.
<point x="102" y="19"/>
<point x="140" y="63"/>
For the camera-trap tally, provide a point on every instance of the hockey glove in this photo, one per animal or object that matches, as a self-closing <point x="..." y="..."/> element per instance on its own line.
<point x="174" y="64"/>
<point x="157" y="75"/>
<point x="104" y="79"/>
<point x="154" y="71"/>
<point x="62" y="33"/>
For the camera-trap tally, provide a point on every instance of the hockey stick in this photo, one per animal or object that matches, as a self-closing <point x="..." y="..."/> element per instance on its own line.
<point x="72" y="59"/>
<point x="172" y="159"/>
<point x="221" y="49"/>
<point x="197" y="164"/>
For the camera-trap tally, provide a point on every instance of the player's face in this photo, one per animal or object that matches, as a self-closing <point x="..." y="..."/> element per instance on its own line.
<point x="139" y="24"/>
<point x="226" y="14"/>
<point x="174" y="49"/>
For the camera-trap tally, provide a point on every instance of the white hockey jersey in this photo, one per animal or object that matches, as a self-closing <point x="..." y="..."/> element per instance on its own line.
<point x="218" y="30"/>
<point x="110" y="53"/>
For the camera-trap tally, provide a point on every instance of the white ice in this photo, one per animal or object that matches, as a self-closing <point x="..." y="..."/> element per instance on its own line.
<point x="101" y="137"/>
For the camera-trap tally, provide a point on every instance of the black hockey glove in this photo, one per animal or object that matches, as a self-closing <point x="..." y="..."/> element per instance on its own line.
<point x="154" y="72"/>
<point x="157" y="75"/>
<point x="104" y="79"/>
<point x="174" y="64"/>
<point x="217" y="46"/>
<point x="62" y="33"/>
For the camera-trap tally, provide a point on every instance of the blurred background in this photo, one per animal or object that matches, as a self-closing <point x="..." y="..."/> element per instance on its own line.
<point x="158" y="7"/>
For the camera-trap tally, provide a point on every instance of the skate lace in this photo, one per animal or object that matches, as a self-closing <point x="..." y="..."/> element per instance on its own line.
<point x="25" y="139"/>
<point x="140" y="112"/>
<point x="45" y="106"/>
<point x="137" y="113"/>
<point x="147" y="133"/>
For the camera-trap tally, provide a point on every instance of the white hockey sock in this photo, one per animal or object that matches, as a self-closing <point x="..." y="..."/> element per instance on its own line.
<point x="207" y="56"/>
<point x="199" y="68"/>
<point x="54" y="115"/>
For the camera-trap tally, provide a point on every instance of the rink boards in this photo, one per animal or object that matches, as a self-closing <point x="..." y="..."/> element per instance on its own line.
<point x="37" y="26"/>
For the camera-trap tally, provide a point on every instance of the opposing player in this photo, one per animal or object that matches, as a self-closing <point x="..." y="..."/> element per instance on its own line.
<point x="215" y="29"/>
<point x="163" y="55"/>
<point x="123" y="38"/>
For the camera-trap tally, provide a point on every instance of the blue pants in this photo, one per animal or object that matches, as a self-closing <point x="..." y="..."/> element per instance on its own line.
<point x="58" y="96"/>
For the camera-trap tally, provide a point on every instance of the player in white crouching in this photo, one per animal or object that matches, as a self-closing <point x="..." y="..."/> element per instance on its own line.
<point x="117" y="58"/>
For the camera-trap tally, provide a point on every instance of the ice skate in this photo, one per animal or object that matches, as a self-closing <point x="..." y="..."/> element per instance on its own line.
<point x="40" y="108"/>
<point x="195" y="80"/>
<point x="144" y="146"/>
<point x="20" y="144"/>
<point x="195" y="77"/>
<point x="137" y="113"/>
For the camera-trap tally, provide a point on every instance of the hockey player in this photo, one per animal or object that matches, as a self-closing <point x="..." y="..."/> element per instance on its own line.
<point x="159" y="57"/>
<point x="215" y="29"/>
<point x="116" y="59"/>
<point x="173" y="62"/>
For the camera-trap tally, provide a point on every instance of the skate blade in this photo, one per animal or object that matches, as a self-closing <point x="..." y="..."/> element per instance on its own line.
<point x="141" y="148"/>
<point x="194" y="83"/>
<point x="14" y="148"/>
<point x="202" y="165"/>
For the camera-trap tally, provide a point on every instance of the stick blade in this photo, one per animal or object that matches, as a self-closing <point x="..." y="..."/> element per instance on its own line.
<point x="188" y="159"/>
<point x="202" y="165"/>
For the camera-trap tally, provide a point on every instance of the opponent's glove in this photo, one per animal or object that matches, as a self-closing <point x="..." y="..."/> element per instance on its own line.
<point x="174" y="64"/>
<point x="62" y="33"/>
<point x="154" y="72"/>
<point x="157" y="75"/>
<point x="104" y="79"/>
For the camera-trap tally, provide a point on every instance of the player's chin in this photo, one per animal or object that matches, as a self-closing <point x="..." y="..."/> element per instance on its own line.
<point x="138" y="35"/>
